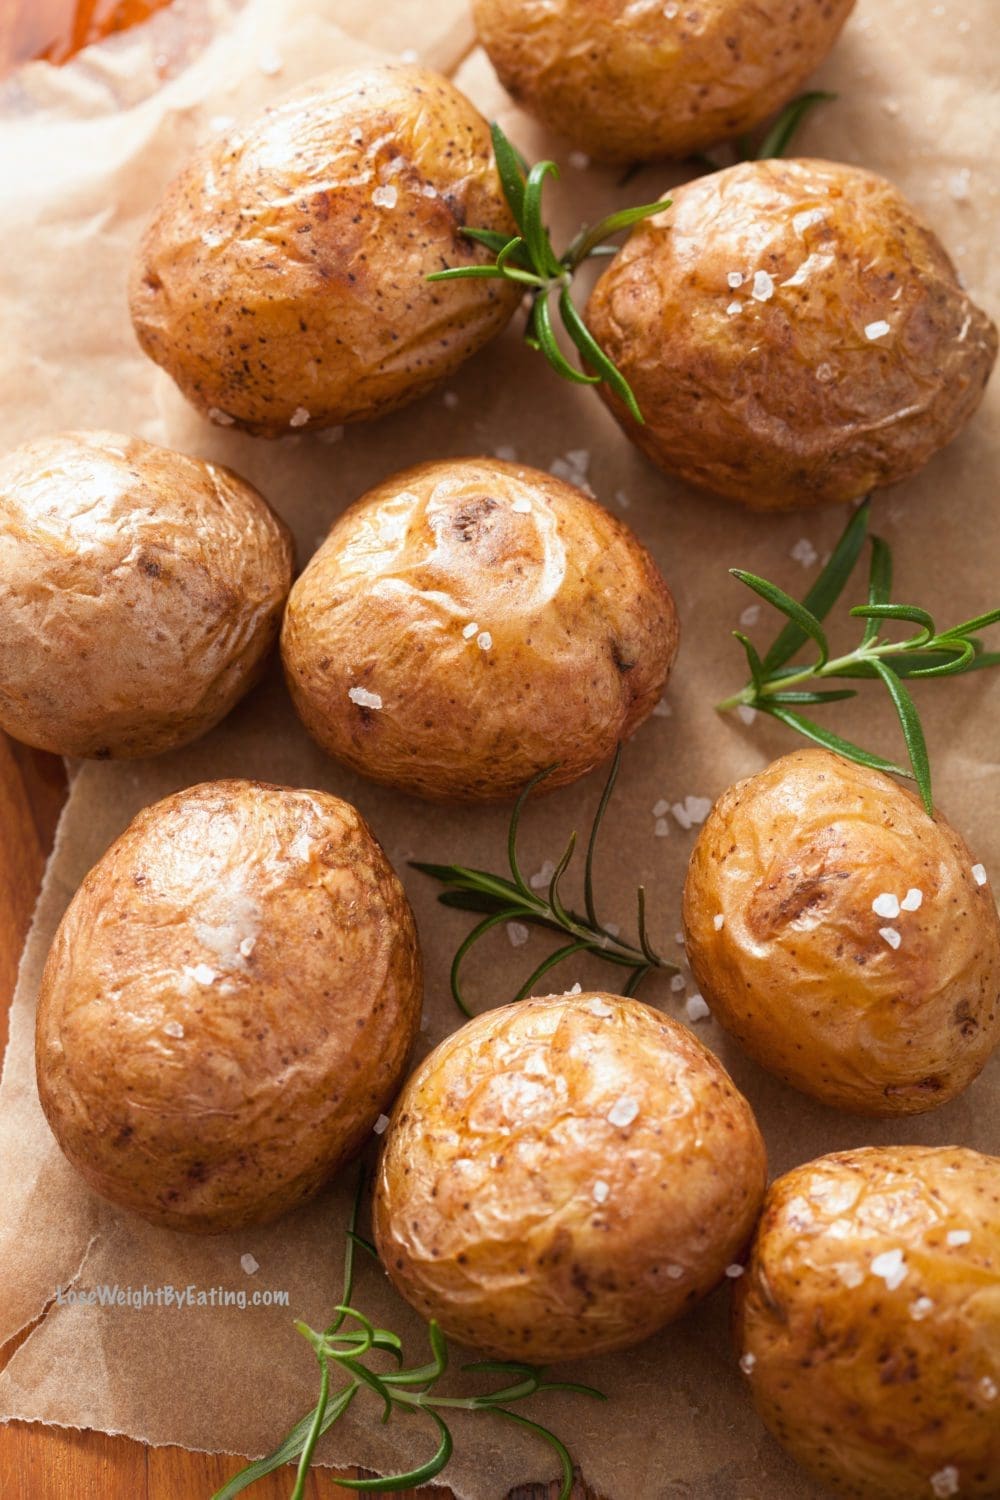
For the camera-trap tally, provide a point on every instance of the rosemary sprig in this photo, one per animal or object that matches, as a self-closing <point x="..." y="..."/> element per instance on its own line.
<point x="512" y="900"/>
<point x="530" y="259"/>
<point x="780" y="690"/>
<point x="408" y="1389"/>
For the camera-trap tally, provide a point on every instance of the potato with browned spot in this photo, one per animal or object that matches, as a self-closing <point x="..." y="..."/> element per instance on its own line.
<point x="471" y="622"/>
<point x="848" y="941"/>
<point x="633" y="80"/>
<point x="794" y="334"/>
<point x="564" y="1176"/>
<point x="868" y="1324"/>
<point x="141" y="593"/>
<point x="228" y="1005"/>
<point x="282" y="281"/>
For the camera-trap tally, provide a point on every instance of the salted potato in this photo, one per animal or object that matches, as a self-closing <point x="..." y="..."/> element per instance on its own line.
<point x="868" y="1324"/>
<point x="470" y="622"/>
<point x="282" y="282"/>
<point x="633" y="82"/>
<point x="140" y="593"/>
<point x="848" y="941"/>
<point x="228" y="1004"/>
<point x="564" y="1176"/>
<point x="794" y="334"/>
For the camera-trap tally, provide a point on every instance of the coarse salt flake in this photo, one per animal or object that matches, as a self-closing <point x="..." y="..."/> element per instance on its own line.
<point x="247" y="946"/>
<point x="746" y="713"/>
<point x="470" y="630"/>
<point x="385" y="197"/>
<point x="979" y="874"/>
<point x="695" y="1008"/>
<point x="718" y="921"/>
<point x="601" y="1008"/>
<point x="913" y="900"/>
<point x="249" y="1264"/>
<point x="623" y="1111"/>
<point x="959" y="185"/>
<point x="270" y="62"/>
<point x="579" y="160"/>
<point x="517" y="934"/>
<point x="735" y="279"/>
<point x="600" y="1191"/>
<point x="680" y="939"/>
<point x="484" y="640"/>
<point x="945" y="1482"/>
<point x="522" y="506"/>
<point x="804" y="552"/>
<point x="450" y="399"/>
<point x="219" y="417"/>
<point x="577" y="989"/>
<point x="890" y="935"/>
<point x="734" y="308"/>
<point x="356" y="134"/>
<point x="675" y="1272"/>
<point x="958" y="1236"/>
<point x="506" y="453"/>
<point x="747" y="1362"/>
<point x="763" y="287"/>
<point x="363" y="698"/>
<point x="661" y="808"/>
<point x="662" y="710"/>
<point x="891" y="1267"/>
<point x="661" y="828"/>
<point x="381" y="1125"/>
<point x="750" y="615"/>
<point x="201" y="973"/>
<point x="877" y="330"/>
<point x="173" y="1028"/>
<point x="735" y="1271"/>
<point x="989" y="1388"/>
<point x="886" y="905"/>
<point x="692" y="810"/>
<point x="678" y="983"/>
<point x="299" y="417"/>
<point x="807" y="219"/>
<point x="920" y="1308"/>
<point x="543" y="876"/>
<point x="409" y="55"/>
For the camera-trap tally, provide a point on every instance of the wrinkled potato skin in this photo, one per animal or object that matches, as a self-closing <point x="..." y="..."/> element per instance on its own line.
<point x="268" y="282"/>
<point x="141" y="594"/>
<point x="872" y="1398"/>
<point x="788" y="403"/>
<point x="627" y="84"/>
<point x="484" y="1213"/>
<point x="584" y="631"/>
<point x="287" y="1055"/>
<point x="792" y="859"/>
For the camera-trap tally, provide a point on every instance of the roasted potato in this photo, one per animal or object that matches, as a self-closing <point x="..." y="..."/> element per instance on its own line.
<point x="468" y="623"/>
<point x="868" y="1324"/>
<point x="141" y="593"/>
<point x="633" y="82"/>
<point x="848" y="941"/>
<point x="564" y="1176"/>
<point x="794" y="335"/>
<point x="228" y="1004"/>
<point x="282" y="282"/>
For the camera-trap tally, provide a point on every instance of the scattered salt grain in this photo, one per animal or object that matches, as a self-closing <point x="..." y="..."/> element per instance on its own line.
<point x="600" y="1008"/>
<point x="746" y="713"/>
<point x="517" y="934"/>
<point x="670" y="11"/>
<point x="363" y="698"/>
<point x="850" y="1274"/>
<point x="381" y="1125"/>
<point x="543" y="876"/>
<point x="579" y="160"/>
<point x="247" y="946"/>
<point x="735" y="279"/>
<point x="522" y="506"/>
<point x="173" y="1028"/>
<point x="979" y="874"/>
<point x="506" y="452"/>
<point x="577" y="989"/>
<point x="470" y="630"/>
<point x="218" y="123"/>
<point x="357" y="135"/>
<point x="270" y="62"/>
<point x="429" y="190"/>
<point x="220" y="418"/>
<point x="913" y="900"/>
<point x="661" y="808"/>
<point x="661" y="828"/>
<point x="747" y="1363"/>
<point x="385" y="197"/>
<point x="877" y="330"/>
<point x="958" y="1236"/>
<point x="622" y="499"/>
<point x="989" y="1388"/>
<point x="945" y="1482"/>
<point x="890" y="936"/>
<point x="804" y="552"/>
<point x="612" y="929"/>
<point x="201" y="973"/>
<point x="959" y="185"/>
<point x="886" y="905"/>
<point x="735" y="1271"/>
<point x="678" y="983"/>
<point x="662" y="710"/>
<point x="679" y="939"/>
<point x="623" y="1111"/>
<point x="450" y="399"/>
<point x="410" y="55"/>
<point x="299" y="417"/>
<point x="692" y="810"/>
<point x="763" y="287"/>
<point x="891" y="1267"/>
<point x="249" y="1265"/>
<point x="601" y="1191"/>
<point x="750" y="615"/>
<point x="734" y="308"/>
<point x="920" y="1308"/>
<point x="484" y="640"/>
<point x="695" y="1008"/>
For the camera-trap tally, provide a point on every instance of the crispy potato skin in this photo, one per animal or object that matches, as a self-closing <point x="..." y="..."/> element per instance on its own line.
<point x="632" y="83"/>
<point x="877" y="1390"/>
<point x="485" y="1212"/>
<point x="582" y="627"/>
<point x="787" y="402"/>
<point x="792" y="859"/>
<point x="277" y="291"/>
<point x="228" y="1004"/>
<point x="141" y="593"/>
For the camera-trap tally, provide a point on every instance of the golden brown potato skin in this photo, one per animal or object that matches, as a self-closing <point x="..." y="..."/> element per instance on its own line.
<point x="630" y="82"/>
<point x="280" y="293"/>
<point x="228" y="1004"/>
<point x="882" y="1392"/>
<point x="140" y="593"/>
<point x="581" y="627"/>
<point x="800" y="973"/>
<point x="787" y="402"/>
<point x="490" y="1209"/>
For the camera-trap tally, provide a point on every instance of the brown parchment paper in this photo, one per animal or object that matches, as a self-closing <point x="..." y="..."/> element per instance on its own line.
<point x="83" y="155"/>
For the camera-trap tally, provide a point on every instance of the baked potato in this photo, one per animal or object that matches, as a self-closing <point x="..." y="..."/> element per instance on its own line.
<point x="794" y="334"/>
<point x="564" y="1176"/>
<point x="633" y="82"/>
<point x="282" y="281"/>
<point x="470" y="622"/>
<point x="848" y="941"/>
<point x="868" y="1324"/>
<point x="140" y="593"/>
<point x="228" y="1004"/>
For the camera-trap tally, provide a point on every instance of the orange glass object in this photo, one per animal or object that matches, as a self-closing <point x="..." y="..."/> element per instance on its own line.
<point x="56" y="29"/>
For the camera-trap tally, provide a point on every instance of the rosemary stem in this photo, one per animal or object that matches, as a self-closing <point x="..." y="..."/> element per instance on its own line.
<point x="832" y="668"/>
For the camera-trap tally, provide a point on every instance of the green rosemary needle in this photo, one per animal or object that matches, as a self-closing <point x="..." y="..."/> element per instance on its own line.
<point x="410" y="1389"/>
<point x="513" y="900"/>
<point x="778" y="689"/>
